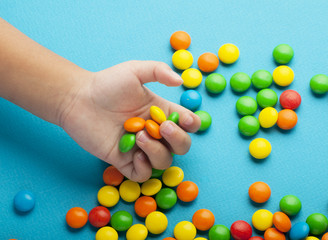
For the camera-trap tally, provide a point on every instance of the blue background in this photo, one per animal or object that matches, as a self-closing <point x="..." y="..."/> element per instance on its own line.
<point x="38" y="156"/>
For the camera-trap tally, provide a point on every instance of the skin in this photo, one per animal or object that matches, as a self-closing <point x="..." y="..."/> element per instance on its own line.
<point x="92" y="107"/>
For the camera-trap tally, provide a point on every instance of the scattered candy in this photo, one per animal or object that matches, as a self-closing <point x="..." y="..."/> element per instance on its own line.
<point x="180" y="40"/>
<point x="144" y="206"/>
<point x="108" y="196"/>
<point x="290" y="204"/>
<point x="266" y="98"/>
<point x="273" y="234"/>
<point x="262" y="219"/>
<point x="240" y="82"/>
<point x="137" y="232"/>
<point x="220" y="232"/>
<point x="99" y="216"/>
<point x="318" y="223"/>
<point x="313" y="238"/>
<point x="185" y="231"/>
<point x="299" y="231"/>
<point x="290" y="99"/>
<point x="283" y="53"/>
<point x="259" y="192"/>
<point x="246" y="105"/>
<point x="260" y="148"/>
<point x="191" y="99"/>
<point x="281" y="221"/>
<point x="166" y="198"/>
<point x="203" y="219"/>
<point x="156" y="222"/>
<point x="287" y="119"/>
<point x="261" y="79"/>
<point x="268" y="117"/>
<point x="241" y="230"/>
<point x="256" y="238"/>
<point x="248" y="125"/>
<point x="283" y="76"/>
<point x="134" y="124"/>
<point x="187" y="191"/>
<point x="319" y="84"/>
<point x="121" y="220"/>
<point x="325" y="236"/>
<point x="206" y="120"/>
<point x="156" y="173"/>
<point x="174" y="117"/>
<point x="215" y="83"/>
<point x="151" y="187"/>
<point x="191" y="78"/>
<point x="106" y="233"/>
<point x="182" y="59"/>
<point x="208" y="62"/>
<point x="157" y="114"/>
<point x="24" y="201"/>
<point x="153" y="129"/>
<point x="129" y="191"/>
<point x="172" y="176"/>
<point x="228" y="53"/>
<point x="76" y="217"/>
<point x="112" y="176"/>
<point x="127" y="142"/>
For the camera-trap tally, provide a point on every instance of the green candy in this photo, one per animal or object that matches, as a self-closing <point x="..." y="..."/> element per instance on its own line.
<point x="283" y="53"/>
<point x="318" y="223"/>
<point x="248" y="125"/>
<point x="215" y="83"/>
<point x="174" y="117"/>
<point x="156" y="173"/>
<point x="206" y="120"/>
<point x="262" y="79"/>
<point x="127" y="142"/>
<point x="319" y="83"/>
<point x="240" y="82"/>
<point x="121" y="221"/>
<point x="219" y="232"/>
<point x="267" y="98"/>
<point x="290" y="204"/>
<point x="166" y="198"/>
<point x="246" y="105"/>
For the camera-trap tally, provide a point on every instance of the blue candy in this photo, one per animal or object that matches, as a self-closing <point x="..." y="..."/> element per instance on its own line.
<point x="24" y="201"/>
<point x="191" y="99"/>
<point x="299" y="231"/>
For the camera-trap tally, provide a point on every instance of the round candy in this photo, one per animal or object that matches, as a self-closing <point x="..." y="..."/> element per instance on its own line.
<point x="108" y="196"/>
<point x="319" y="83"/>
<point x="266" y="98"/>
<point x="156" y="222"/>
<point x="156" y="173"/>
<point x="240" y="82"/>
<point x="151" y="187"/>
<point x="260" y="148"/>
<point x="283" y="76"/>
<point x="157" y="114"/>
<point x="313" y="238"/>
<point x="299" y="231"/>
<point x="191" y="78"/>
<point x="129" y="191"/>
<point x="318" y="223"/>
<point x="200" y="238"/>
<point x="219" y="232"/>
<point x="106" y="233"/>
<point x="259" y="192"/>
<point x="153" y="129"/>
<point x="241" y="230"/>
<point x="287" y="119"/>
<point x="273" y="234"/>
<point x="203" y="219"/>
<point x="268" y="117"/>
<point x="144" y="206"/>
<point x="215" y="83"/>
<point x="180" y="40"/>
<point x="290" y="99"/>
<point x="187" y="191"/>
<point x="205" y="118"/>
<point x="182" y="59"/>
<point x="137" y="232"/>
<point x="24" y="201"/>
<point x="185" y="231"/>
<point x="281" y="221"/>
<point x="325" y="236"/>
<point x="228" y="53"/>
<point x="283" y="53"/>
<point x="99" y="216"/>
<point x="191" y="99"/>
<point x="134" y="124"/>
<point x="76" y="217"/>
<point x="261" y="79"/>
<point x="169" y="238"/>
<point x="174" y="117"/>
<point x="127" y="142"/>
<point x="256" y="238"/>
<point x="208" y="62"/>
<point x="290" y="204"/>
<point x="166" y="198"/>
<point x="112" y="176"/>
<point x="172" y="176"/>
<point x="248" y="125"/>
<point x="262" y="219"/>
<point x="246" y="105"/>
<point x="121" y="220"/>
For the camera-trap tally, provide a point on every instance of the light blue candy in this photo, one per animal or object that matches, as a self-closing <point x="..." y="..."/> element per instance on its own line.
<point x="24" y="201"/>
<point x="191" y="99"/>
<point x="299" y="231"/>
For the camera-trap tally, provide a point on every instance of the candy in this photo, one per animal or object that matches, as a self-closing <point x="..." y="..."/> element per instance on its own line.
<point x="203" y="219"/>
<point x="191" y="78"/>
<point x="157" y="114"/>
<point x="260" y="148"/>
<point x="228" y="53"/>
<point x="261" y="79"/>
<point x="172" y="176"/>
<point x="256" y="238"/>
<point x="283" y="53"/>
<point x="182" y="59"/>
<point x="169" y="238"/>
<point x="262" y="219"/>
<point x="208" y="62"/>
<point x="313" y="238"/>
<point x="127" y="142"/>
<point x="121" y="220"/>
<point x="112" y="176"/>
<point x="180" y="40"/>
<point x="299" y="231"/>
<point x="325" y="236"/>
<point x="205" y="118"/>
<point x="144" y="206"/>
<point x="184" y="231"/>
<point x="215" y="83"/>
<point x="290" y="99"/>
<point x="268" y="117"/>
<point x="273" y="234"/>
<point x="248" y="126"/>
<point x="259" y="192"/>
<point x="318" y="223"/>
<point x="153" y="129"/>
<point x="319" y="83"/>
<point x="24" y="201"/>
<point x="134" y="124"/>
<point x="287" y="119"/>
<point x="129" y="191"/>
<point x="200" y="238"/>
<point x="246" y="105"/>
<point x="290" y="204"/>
<point x="187" y="191"/>
<point x="137" y="232"/>
<point x="99" y="216"/>
<point x="240" y="82"/>
<point x="220" y="232"/>
<point x="151" y="187"/>
<point x="106" y="233"/>
<point x="156" y="222"/>
<point x="191" y="99"/>
<point x="108" y="196"/>
<point x="283" y="76"/>
<point x="266" y="98"/>
<point x="281" y="221"/>
<point x="156" y="173"/>
<point x="166" y="198"/>
<point x="241" y="230"/>
<point x="174" y="117"/>
<point x="76" y="217"/>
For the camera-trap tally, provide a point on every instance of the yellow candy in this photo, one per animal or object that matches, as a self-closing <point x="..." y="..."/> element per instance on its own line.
<point x="260" y="148"/>
<point x="129" y="191"/>
<point x="172" y="176"/>
<point x="191" y="78"/>
<point x="185" y="231"/>
<point x="283" y="76"/>
<point x="151" y="187"/>
<point x="157" y="114"/>
<point x="106" y="233"/>
<point x="156" y="222"/>
<point x="108" y="196"/>
<point x="200" y="238"/>
<point x="182" y="59"/>
<point x="228" y="53"/>
<point x="137" y="232"/>
<point x="262" y="219"/>
<point x="268" y="117"/>
<point x="311" y="238"/>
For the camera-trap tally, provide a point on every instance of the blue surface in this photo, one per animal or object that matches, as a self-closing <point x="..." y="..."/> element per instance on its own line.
<point x="40" y="157"/>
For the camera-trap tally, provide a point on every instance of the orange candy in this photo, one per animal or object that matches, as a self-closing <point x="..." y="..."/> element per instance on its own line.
<point x="325" y="236"/>
<point x="169" y="238"/>
<point x="76" y="217"/>
<point x="287" y="119"/>
<point x="259" y="192"/>
<point x="134" y="124"/>
<point x="208" y="62"/>
<point x="153" y="129"/>
<point x="180" y="40"/>
<point x="112" y="176"/>
<point x="281" y="221"/>
<point x="273" y="234"/>
<point x="145" y="205"/>
<point x="187" y="191"/>
<point x="203" y="219"/>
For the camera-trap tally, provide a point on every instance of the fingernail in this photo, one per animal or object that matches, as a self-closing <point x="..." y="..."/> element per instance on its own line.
<point x="176" y="76"/>
<point x="168" y="129"/>
<point x="188" y="120"/>
<point x="142" y="137"/>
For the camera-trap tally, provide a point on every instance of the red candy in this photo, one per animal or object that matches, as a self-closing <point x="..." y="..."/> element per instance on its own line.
<point x="290" y="99"/>
<point x="99" y="216"/>
<point x="241" y="230"/>
<point x="256" y="238"/>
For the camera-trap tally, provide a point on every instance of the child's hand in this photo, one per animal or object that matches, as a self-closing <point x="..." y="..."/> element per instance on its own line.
<point x="95" y="117"/>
